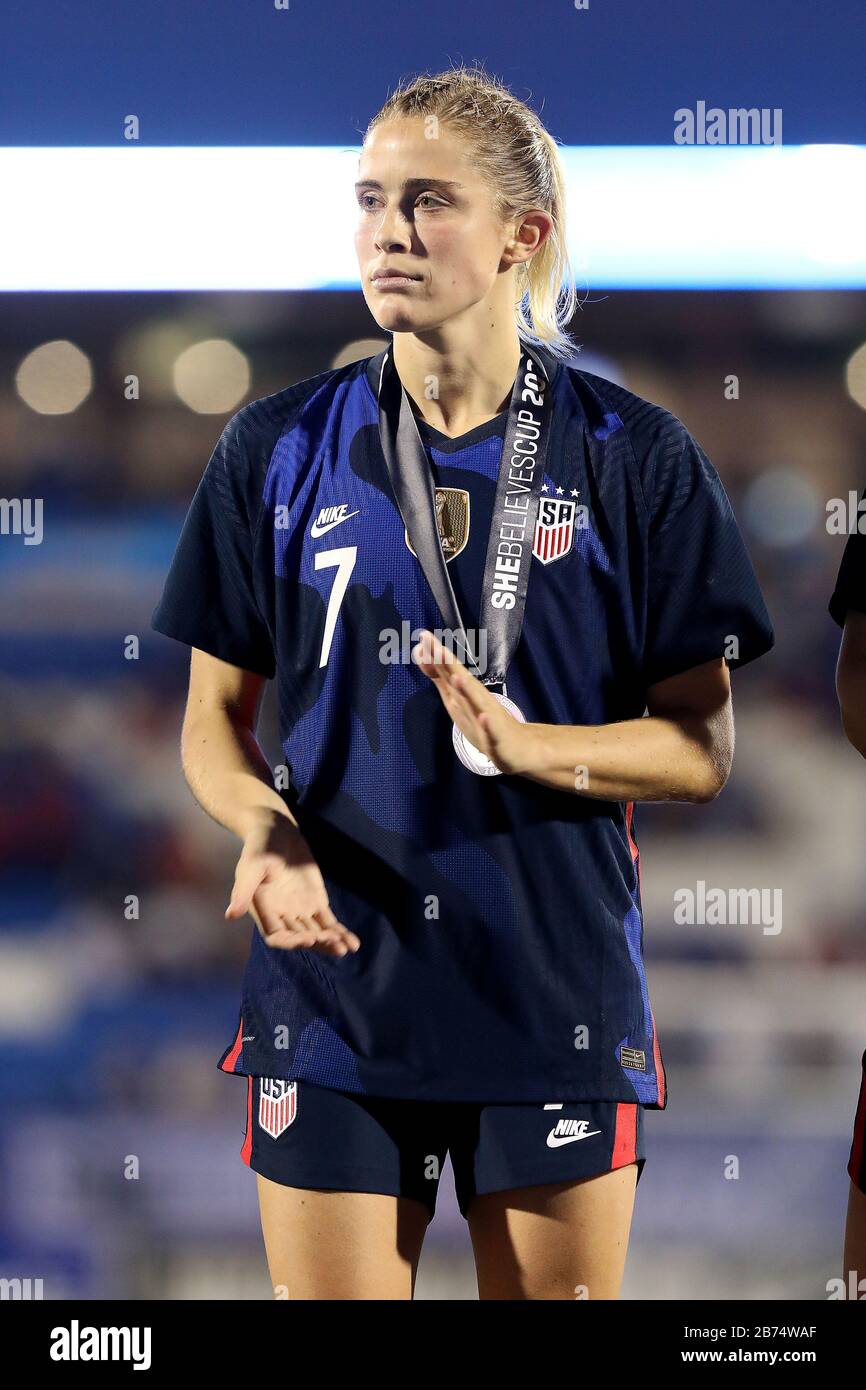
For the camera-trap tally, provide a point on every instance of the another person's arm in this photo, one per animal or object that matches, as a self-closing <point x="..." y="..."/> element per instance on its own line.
<point x="851" y="679"/>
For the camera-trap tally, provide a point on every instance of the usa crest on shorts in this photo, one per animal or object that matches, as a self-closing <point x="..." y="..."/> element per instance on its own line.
<point x="278" y="1105"/>
<point x="554" y="529"/>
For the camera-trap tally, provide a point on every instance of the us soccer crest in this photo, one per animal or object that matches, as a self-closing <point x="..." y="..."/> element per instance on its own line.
<point x="452" y="520"/>
<point x="554" y="529"/>
<point x="278" y="1105"/>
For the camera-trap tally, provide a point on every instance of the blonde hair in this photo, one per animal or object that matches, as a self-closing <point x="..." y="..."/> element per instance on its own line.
<point x="520" y="161"/>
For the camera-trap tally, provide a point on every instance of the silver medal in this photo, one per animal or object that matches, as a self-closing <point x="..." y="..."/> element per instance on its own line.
<point x="469" y="755"/>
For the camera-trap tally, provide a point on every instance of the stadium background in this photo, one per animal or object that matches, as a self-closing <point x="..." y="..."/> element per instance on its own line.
<point x="111" y="1027"/>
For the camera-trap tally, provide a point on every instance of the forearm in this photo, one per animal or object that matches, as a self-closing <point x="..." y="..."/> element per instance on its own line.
<point x="650" y="759"/>
<point x="228" y="774"/>
<point x="851" y="679"/>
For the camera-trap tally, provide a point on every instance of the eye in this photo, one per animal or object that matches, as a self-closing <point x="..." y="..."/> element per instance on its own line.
<point x="432" y="202"/>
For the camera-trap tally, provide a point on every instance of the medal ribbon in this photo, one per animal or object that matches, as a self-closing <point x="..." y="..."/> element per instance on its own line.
<point x="515" y="508"/>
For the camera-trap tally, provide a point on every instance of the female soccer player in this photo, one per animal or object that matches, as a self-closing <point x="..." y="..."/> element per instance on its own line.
<point x="847" y="607"/>
<point x="448" y="954"/>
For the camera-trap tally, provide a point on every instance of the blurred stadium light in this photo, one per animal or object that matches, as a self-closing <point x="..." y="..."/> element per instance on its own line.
<point x="719" y="217"/>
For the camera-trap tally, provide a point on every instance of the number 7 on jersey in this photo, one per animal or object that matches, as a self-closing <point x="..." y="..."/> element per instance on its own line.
<point x="344" y="562"/>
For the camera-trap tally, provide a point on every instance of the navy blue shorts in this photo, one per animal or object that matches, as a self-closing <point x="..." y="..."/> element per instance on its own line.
<point x="309" y="1136"/>
<point x="857" y="1159"/>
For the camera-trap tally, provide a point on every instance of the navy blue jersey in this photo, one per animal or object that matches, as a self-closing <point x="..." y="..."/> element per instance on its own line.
<point x="500" y="921"/>
<point x="850" y="590"/>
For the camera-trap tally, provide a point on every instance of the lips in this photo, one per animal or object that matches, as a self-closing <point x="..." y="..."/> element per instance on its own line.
<point x="394" y="275"/>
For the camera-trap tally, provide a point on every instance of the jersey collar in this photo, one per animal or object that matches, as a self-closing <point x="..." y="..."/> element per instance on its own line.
<point x="374" y="366"/>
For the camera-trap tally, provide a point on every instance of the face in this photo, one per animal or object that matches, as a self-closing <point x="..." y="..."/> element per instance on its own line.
<point x="424" y="209"/>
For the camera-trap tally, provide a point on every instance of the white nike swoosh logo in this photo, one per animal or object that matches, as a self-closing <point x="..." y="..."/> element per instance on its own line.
<point x="317" y="530"/>
<point x="555" y="1141"/>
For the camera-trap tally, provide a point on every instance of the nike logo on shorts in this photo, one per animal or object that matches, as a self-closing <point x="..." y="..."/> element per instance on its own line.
<point x="567" y="1131"/>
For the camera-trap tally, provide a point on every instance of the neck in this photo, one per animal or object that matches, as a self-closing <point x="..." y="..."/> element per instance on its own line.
<point x="456" y="384"/>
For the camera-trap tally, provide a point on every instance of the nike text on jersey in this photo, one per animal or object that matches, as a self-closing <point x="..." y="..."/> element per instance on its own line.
<point x="329" y="517"/>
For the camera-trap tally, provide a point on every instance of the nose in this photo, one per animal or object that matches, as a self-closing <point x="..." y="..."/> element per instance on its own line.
<point x="394" y="231"/>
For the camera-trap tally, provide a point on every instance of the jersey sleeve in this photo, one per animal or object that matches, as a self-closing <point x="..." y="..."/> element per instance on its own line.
<point x="702" y="590"/>
<point x="209" y="598"/>
<point x="850" y="590"/>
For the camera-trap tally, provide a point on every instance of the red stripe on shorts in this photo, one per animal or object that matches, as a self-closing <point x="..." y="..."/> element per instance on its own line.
<point x="624" y="1134"/>
<point x="228" y="1062"/>
<point x="248" y="1137"/>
